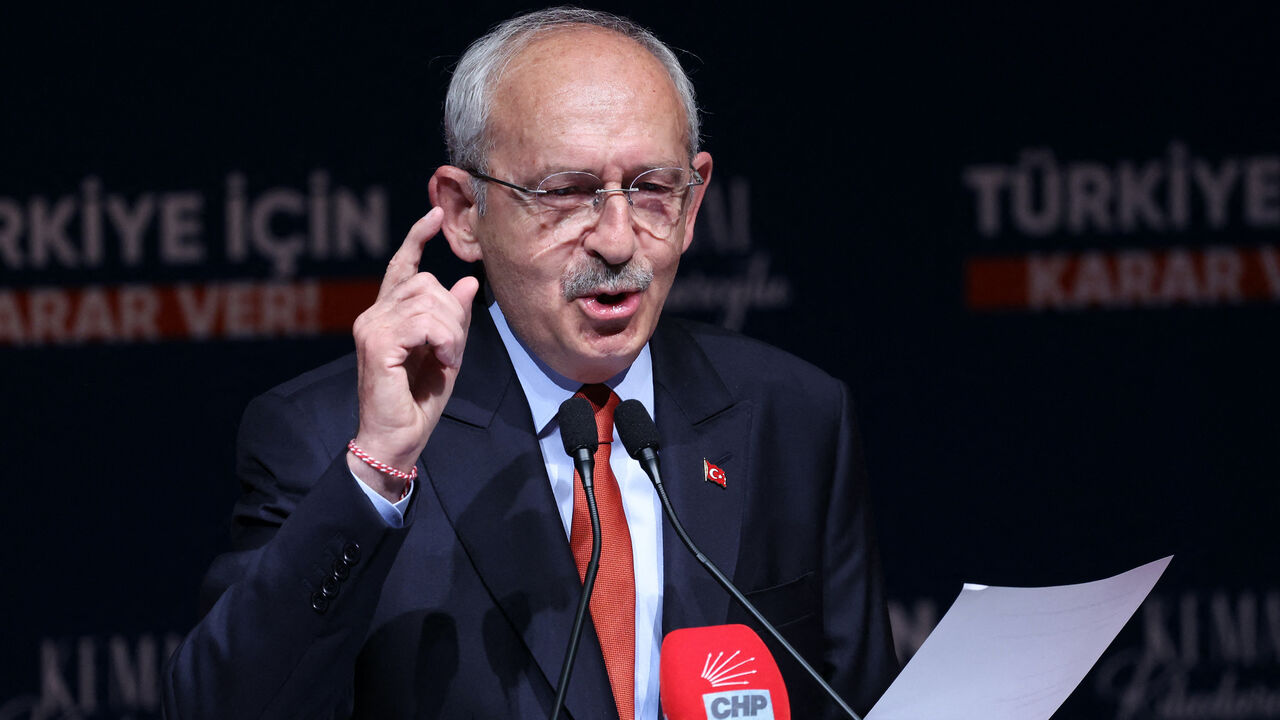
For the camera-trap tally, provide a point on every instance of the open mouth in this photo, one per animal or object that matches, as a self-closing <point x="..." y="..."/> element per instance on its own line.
<point x="611" y="306"/>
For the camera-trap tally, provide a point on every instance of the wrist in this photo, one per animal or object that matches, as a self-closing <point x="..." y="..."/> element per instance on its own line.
<point x="398" y="450"/>
<point x="382" y="476"/>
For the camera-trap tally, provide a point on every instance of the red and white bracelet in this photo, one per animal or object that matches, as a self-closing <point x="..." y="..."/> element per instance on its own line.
<point x="380" y="466"/>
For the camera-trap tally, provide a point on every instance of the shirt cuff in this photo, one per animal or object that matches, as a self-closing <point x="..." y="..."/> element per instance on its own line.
<point x="392" y="513"/>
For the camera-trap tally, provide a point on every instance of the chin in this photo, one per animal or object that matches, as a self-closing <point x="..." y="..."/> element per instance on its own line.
<point x="605" y="356"/>
<point x="624" y="338"/>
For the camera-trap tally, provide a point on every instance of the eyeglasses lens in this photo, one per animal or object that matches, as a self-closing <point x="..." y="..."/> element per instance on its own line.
<point x="656" y="196"/>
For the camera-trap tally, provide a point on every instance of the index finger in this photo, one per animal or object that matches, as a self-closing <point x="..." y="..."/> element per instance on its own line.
<point x="404" y="264"/>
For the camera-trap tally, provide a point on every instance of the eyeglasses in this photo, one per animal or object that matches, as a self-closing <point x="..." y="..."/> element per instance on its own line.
<point x="656" y="196"/>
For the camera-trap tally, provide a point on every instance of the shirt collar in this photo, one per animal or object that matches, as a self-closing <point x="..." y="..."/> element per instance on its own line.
<point x="545" y="388"/>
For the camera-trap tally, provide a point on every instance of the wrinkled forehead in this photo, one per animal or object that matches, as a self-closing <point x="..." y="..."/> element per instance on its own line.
<point x="578" y="79"/>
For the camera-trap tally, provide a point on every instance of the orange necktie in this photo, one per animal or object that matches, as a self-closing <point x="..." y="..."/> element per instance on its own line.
<point x="613" y="601"/>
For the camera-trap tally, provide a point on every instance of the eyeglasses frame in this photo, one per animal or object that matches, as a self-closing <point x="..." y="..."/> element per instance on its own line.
<point x="599" y="194"/>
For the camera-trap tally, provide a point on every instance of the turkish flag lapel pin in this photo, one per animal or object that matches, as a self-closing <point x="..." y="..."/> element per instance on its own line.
<point x="712" y="473"/>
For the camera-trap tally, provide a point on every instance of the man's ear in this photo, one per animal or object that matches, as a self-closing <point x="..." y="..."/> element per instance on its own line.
<point x="701" y="163"/>
<point x="450" y="188"/>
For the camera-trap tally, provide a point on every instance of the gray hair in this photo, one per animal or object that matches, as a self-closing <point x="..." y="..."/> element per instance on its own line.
<point x="470" y="98"/>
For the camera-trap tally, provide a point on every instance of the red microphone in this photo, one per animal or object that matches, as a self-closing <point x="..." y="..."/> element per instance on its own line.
<point x="720" y="672"/>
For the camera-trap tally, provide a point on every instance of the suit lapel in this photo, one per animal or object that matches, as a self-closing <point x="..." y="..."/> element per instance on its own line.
<point x="698" y="420"/>
<point x="486" y="468"/>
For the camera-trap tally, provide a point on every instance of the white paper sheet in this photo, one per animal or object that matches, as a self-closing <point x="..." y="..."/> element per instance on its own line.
<point x="1014" y="653"/>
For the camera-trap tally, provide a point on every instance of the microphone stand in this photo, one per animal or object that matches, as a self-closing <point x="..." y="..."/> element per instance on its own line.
<point x="648" y="459"/>
<point x="585" y="465"/>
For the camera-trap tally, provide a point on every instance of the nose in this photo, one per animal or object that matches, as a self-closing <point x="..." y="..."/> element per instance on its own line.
<point x="613" y="239"/>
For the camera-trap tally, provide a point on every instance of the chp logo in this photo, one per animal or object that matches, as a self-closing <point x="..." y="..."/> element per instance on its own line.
<point x="720" y="672"/>
<point x="741" y="703"/>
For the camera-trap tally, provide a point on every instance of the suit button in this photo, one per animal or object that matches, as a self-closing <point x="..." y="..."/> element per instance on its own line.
<point x="319" y="603"/>
<point x="341" y="571"/>
<point x="329" y="588"/>
<point x="351" y="553"/>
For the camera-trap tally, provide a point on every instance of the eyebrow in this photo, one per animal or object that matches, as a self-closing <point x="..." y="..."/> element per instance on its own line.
<point x="628" y="173"/>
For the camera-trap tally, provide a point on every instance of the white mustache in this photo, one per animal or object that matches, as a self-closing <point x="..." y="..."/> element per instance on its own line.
<point x="599" y="278"/>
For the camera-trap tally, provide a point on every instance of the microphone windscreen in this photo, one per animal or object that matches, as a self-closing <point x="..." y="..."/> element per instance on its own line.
<point x="577" y="425"/>
<point x="719" y="672"/>
<point x="635" y="427"/>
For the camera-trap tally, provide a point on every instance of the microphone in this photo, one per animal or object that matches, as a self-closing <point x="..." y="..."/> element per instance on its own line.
<point x="579" y="434"/>
<point x="640" y="436"/>
<point x="723" y="671"/>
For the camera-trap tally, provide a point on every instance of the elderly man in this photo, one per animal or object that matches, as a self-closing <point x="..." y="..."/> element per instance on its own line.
<point x="409" y="543"/>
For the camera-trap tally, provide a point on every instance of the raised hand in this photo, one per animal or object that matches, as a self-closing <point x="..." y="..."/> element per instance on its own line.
<point x="409" y="346"/>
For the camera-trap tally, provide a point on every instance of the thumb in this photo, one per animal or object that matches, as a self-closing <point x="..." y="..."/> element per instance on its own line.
<point x="465" y="292"/>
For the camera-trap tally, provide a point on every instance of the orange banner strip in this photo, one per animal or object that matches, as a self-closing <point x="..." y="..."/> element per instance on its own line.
<point x="219" y="310"/>
<point x="1219" y="275"/>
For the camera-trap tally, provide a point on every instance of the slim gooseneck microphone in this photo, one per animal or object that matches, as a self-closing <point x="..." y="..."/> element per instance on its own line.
<point x="640" y="436"/>
<point x="579" y="434"/>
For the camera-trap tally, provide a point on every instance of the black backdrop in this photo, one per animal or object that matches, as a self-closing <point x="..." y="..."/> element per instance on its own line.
<point x="1047" y="436"/>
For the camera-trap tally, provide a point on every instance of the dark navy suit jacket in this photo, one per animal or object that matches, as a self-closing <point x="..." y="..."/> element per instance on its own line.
<point x="465" y="612"/>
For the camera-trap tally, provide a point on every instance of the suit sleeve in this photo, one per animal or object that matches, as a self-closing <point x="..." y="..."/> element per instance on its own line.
<point x="287" y="611"/>
<point x="859" y="653"/>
